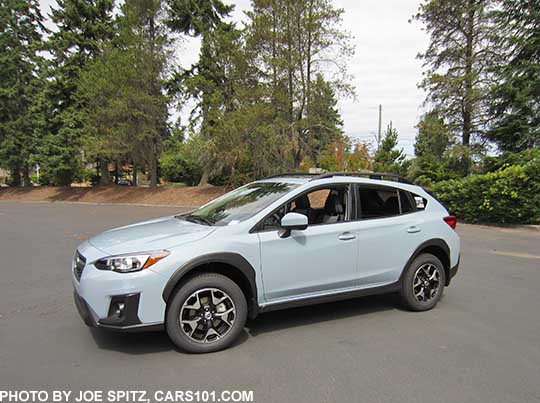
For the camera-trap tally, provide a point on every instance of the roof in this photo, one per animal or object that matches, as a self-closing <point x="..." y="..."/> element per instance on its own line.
<point x="359" y="177"/>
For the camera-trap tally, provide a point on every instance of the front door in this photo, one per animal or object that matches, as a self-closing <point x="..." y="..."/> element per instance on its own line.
<point x="318" y="260"/>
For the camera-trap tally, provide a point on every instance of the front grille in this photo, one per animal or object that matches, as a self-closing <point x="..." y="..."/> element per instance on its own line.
<point x="79" y="261"/>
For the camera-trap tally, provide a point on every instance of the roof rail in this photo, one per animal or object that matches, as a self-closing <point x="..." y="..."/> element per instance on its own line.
<point x="291" y="174"/>
<point x="370" y="175"/>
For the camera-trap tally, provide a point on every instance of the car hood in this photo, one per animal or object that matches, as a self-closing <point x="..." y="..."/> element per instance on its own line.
<point x="161" y="233"/>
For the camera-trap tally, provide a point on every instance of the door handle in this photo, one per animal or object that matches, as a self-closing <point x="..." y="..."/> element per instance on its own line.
<point x="413" y="229"/>
<point x="346" y="236"/>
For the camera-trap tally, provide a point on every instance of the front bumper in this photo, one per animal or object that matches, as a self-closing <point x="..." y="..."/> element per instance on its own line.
<point x="117" y="301"/>
<point x="128" y="321"/>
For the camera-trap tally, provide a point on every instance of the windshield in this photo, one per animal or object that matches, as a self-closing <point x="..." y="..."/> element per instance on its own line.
<point x="240" y="204"/>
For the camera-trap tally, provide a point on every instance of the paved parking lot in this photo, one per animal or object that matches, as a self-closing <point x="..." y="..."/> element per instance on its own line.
<point x="481" y="343"/>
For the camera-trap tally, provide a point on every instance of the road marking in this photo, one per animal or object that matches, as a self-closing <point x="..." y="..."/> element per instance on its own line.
<point x="515" y="254"/>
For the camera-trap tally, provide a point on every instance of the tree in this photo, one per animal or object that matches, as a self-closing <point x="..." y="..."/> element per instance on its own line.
<point x="341" y="155"/>
<point x="83" y="28"/>
<point x="433" y="136"/>
<point x="201" y="19"/>
<point x="516" y="96"/>
<point x="126" y="108"/>
<point x="432" y="143"/>
<point x="456" y="62"/>
<point x="323" y="121"/>
<point x="21" y="30"/>
<point x="388" y="158"/>
<point x="295" y="44"/>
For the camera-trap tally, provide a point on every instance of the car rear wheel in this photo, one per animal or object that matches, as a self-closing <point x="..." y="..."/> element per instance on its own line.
<point x="423" y="283"/>
<point x="206" y="314"/>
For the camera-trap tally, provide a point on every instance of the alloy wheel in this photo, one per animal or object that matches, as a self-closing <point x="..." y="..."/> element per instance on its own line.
<point x="426" y="282"/>
<point x="207" y="315"/>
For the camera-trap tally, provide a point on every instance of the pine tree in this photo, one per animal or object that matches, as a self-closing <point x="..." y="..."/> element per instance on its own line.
<point x="323" y="121"/>
<point x="21" y="30"/>
<point x="456" y="62"/>
<point x="432" y="143"/>
<point x="83" y="28"/>
<point x="205" y="19"/>
<point x="433" y="136"/>
<point x="516" y="96"/>
<point x="388" y="158"/>
<point x="125" y="118"/>
<point x="293" y="42"/>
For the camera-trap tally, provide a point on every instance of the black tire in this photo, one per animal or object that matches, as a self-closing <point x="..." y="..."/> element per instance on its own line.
<point x="431" y="294"/>
<point x="197" y="285"/>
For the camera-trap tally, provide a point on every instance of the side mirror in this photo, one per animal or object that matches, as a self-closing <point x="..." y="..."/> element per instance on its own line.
<point x="292" y="221"/>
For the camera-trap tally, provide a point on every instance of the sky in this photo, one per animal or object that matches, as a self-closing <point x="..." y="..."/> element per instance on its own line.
<point x="385" y="69"/>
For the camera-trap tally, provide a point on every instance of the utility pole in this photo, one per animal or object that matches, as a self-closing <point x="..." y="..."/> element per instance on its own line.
<point x="379" y="133"/>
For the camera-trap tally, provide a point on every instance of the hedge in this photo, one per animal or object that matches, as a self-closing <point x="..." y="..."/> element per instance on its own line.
<point x="509" y="195"/>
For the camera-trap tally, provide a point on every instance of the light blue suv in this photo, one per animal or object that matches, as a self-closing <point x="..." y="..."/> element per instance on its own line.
<point x="281" y="242"/>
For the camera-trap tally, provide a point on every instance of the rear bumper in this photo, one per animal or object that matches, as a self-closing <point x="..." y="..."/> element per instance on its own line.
<point x="127" y="321"/>
<point x="453" y="271"/>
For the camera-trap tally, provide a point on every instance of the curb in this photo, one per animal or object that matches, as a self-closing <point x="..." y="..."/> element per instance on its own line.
<point x="526" y="227"/>
<point x="98" y="203"/>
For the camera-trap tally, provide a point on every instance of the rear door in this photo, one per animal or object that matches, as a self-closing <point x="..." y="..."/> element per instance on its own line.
<point x="389" y="228"/>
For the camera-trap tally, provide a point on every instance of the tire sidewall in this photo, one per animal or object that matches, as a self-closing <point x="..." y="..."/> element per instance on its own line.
<point x="407" y="289"/>
<point x="209" y="280"/>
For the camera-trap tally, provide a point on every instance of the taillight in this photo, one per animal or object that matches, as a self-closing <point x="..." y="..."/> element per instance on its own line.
<point x="451" y="221"/>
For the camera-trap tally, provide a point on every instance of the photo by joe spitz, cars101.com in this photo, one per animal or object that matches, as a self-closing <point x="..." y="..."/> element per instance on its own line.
<point x="280" y="242"/>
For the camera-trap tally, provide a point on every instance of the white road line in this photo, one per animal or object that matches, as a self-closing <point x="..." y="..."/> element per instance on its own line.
<point x="515" y="254"/>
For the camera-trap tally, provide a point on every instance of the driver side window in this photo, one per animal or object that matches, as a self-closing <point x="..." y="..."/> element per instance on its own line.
<point x="326" y="205"/>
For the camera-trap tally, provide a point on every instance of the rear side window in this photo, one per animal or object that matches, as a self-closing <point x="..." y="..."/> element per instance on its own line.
<point x="405" y="199"/>
<point x="378" y="202"/>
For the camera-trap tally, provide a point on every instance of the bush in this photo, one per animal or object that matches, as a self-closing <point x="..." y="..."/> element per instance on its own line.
<point x="509" y="195"/>
<point x="492" y="164"/>
<point x="179" y="163"/>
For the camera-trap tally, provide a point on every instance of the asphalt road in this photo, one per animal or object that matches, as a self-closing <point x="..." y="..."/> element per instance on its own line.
<point x="481" y="343"/>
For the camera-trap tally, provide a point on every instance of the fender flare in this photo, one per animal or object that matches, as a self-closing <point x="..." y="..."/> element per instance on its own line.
<point x="229" y="258"/>
<point x="437" y="242"/>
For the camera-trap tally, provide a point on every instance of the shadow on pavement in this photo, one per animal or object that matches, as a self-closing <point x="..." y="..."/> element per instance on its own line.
<point x="132" y="343"/>
<point x="156" y="342"/>
<point x="305" y="316"/>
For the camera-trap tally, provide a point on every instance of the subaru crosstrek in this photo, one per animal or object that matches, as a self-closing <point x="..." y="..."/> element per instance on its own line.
<point x="280" y="242"/>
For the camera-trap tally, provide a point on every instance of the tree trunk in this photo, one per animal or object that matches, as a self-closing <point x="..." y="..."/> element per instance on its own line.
<point x="116" y="173"/>
<point x="135" y="176"/>
<point x="26" y="176"/>
<point x="204" y="178"/>
<point x="15" y="172"/>
<point x="468" y="100"/>
<point x="468" y="96"/>
<point x="153" y="172"/>
<point x="104" y="178"/>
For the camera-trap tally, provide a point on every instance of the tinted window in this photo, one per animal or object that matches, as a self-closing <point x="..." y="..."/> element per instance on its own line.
<point x="378" y="202"/>
<point x="240" y="204"/>
<point x="405" y="198"/>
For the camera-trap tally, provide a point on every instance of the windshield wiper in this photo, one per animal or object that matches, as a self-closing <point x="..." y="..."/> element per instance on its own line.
<point x="196" y="219"/>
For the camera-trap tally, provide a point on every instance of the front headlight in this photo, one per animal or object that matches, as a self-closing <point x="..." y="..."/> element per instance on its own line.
<point x="132" y="262"/>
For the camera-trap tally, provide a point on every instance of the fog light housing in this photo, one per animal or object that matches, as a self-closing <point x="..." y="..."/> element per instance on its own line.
<point x="123" y="311"/>
<point x="118" y="308"/>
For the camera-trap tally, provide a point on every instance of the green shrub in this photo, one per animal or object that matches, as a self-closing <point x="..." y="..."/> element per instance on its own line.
<point x="509" y="195"/>
<point x="179" y="163"/>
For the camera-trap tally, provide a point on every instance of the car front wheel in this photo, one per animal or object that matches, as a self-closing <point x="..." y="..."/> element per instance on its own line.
<point x="423" y="283"/>
<point x="206" y="314"/>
